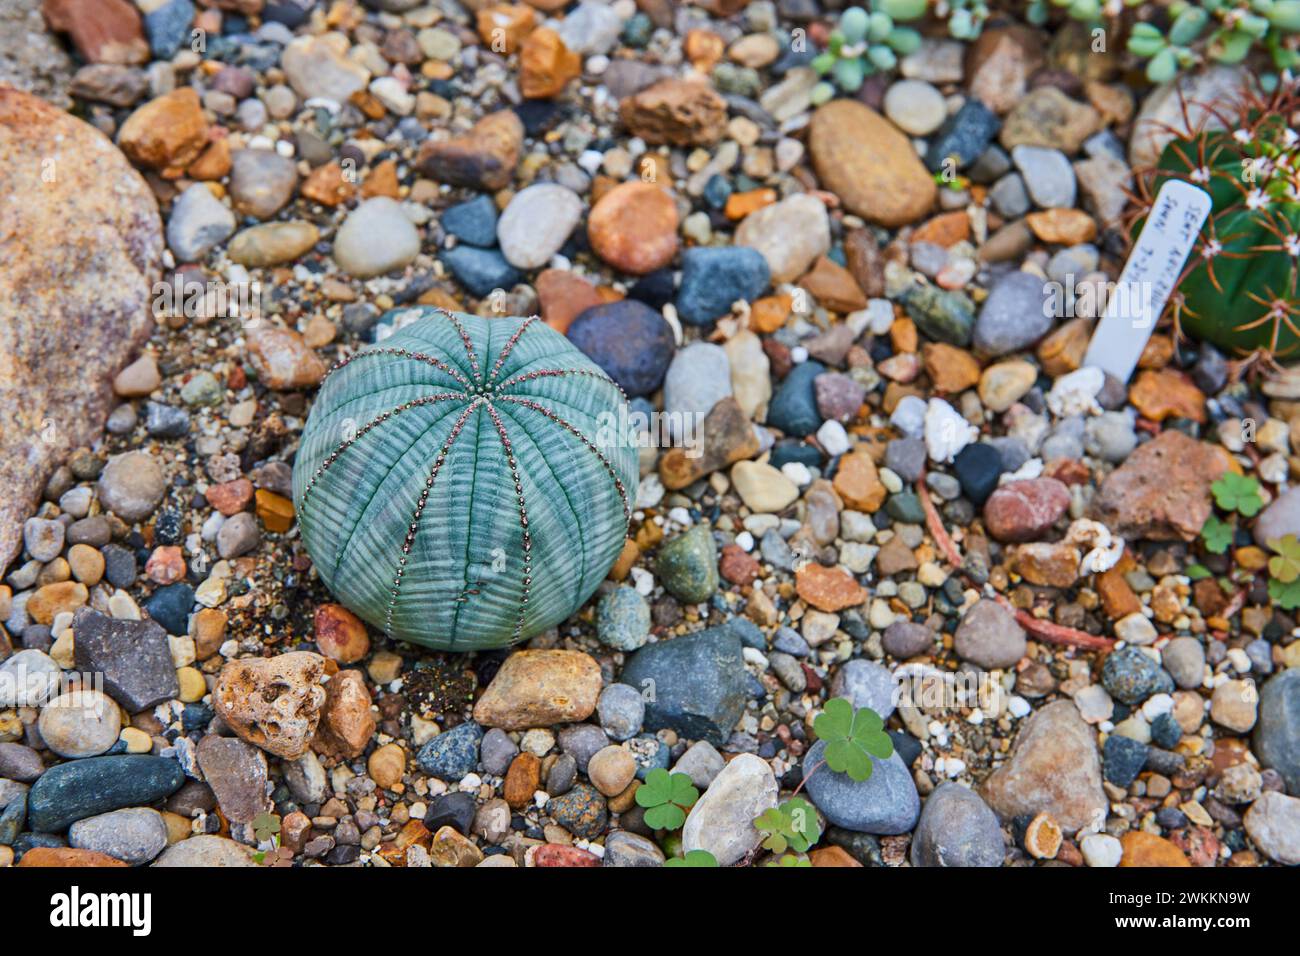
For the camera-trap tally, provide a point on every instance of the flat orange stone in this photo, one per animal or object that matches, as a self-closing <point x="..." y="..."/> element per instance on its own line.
<point x="858" y="483"/>
<point x="945" y="230"/>
<point x="328" y="186"/>
<point x="832" y="856"/>
<point x="382" y="181"/>
<point x="66" y="856"/>
<point x="903" y="335"/>
<point x="833" y="286"/>
<point x="633" y="227"/>
<point x="276" y="511"/>
<point x="704" y="49"/>
<point x="1067" y="227"/>
<point x="564" y="296"/>
<point x="770" y="312"/>
<point x="950" y="369"/>
<point x="1147" y="849"/>
<point x="546" y="65"/>
<point x="740" y="205"/>
<point x="502" y="27"/>
<point x="1167" y="393"/>
<point x="828" y="589"/>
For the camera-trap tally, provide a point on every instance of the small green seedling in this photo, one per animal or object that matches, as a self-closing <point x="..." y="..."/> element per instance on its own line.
<point x="666" y="798"/>
<point x="792" y="825"/>
<point x="852" y="738"/>
<point x="1284" y="572"/>
<point x="1217" y="534"/>
<point x="266" y="826"/>
<point x="1239" y="493"/>
<point x="693" y="857"/>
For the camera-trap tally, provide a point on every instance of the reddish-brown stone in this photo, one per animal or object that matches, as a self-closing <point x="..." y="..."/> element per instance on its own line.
<point x="231" y="497"/>
<point x="557" y="854"/>
<point x="103" y="31"/>
<point x="828" y="589"/>
<point x="677" y="112"/>
<point x="1025" y="510"/>
<point x="1162" y="491"/>
<point x="340" y="634"/>
<point x="738" y="567"/>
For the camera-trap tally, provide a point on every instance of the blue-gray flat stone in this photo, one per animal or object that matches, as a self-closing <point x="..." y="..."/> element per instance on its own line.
<point x="886" y="803"/>
<point x="957" y="828"/>
<point x="72" y="791"/>
<point x="693" y="684"/>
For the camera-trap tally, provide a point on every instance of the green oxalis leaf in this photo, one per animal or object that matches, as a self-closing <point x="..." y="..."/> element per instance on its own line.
<point x="852" y="738"/>
<point x="1239" y="493"/>
<point x="792" y="825"/>
<point x="791" y="860"/>
<point x="1217" y="534"/>
<point x="693" y="858"/>
<point x="266" y="826"/>
<point x="1285" y="594"/>
<point x="666" y="798"/>
<point x="1284" y="566"/>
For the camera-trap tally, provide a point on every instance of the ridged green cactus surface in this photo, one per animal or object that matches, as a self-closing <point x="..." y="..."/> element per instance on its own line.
<point x="460" y="484"/>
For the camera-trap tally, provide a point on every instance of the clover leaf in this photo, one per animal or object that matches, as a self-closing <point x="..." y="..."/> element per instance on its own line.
<point x="1285" y="594"/>
<point x="791" y="860"/>
<point x="1217" y="534"/>
<point x="693" y="858"/>
<point x="666" y="798"/>
<point x="1285" y="565"/>
<point x="1239" y="493"/>
<point x="852" y="738"/>
<point x="266" y="826"/>
<point x="792" y="825"/>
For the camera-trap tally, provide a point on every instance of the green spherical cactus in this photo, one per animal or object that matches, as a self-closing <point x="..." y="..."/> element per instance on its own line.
<point x="1239" y="287"/>
<point x="464" y="484"/>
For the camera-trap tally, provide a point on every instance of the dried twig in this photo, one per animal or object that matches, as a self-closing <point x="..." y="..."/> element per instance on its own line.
<point x="935" y="524"/>
<point x="1055" y="633"/>
<point x="1044" y="630"/>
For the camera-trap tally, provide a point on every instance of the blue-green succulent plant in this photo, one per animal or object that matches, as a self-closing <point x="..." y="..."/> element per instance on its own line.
<point x="460" y="485"/>
<point x="1218" y="31"/>
<point x="866" y="42"/>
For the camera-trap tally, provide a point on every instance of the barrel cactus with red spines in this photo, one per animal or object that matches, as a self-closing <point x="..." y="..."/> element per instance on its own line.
<point x="1239" y="287"/>
<point x="463" y="484"/>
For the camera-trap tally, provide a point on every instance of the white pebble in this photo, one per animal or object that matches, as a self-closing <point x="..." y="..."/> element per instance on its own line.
<point x="1156" y="705"/>
<point x="880" y="315"/>
<point x="1101" y="850"/>
<point x="946" y="431"/>
<point x="833" y="438"/>
<point x="797" y="472"/>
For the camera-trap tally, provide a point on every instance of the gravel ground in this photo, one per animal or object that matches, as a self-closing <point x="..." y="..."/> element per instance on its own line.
<point x="909" y="495"/>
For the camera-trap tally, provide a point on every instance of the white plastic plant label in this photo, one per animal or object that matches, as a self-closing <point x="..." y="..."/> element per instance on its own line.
<point x="1149" y="278"/>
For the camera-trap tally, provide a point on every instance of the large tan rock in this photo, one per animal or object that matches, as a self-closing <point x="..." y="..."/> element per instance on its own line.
<point x="79" y="251"/>
<point x="274" y="702"/>
<point x="540" y="688"/>
<point x="866" y="161"/>
<point x="1162" y="491"/>
<point x="1054" y="768"/>
<point x="678" y="112"/>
